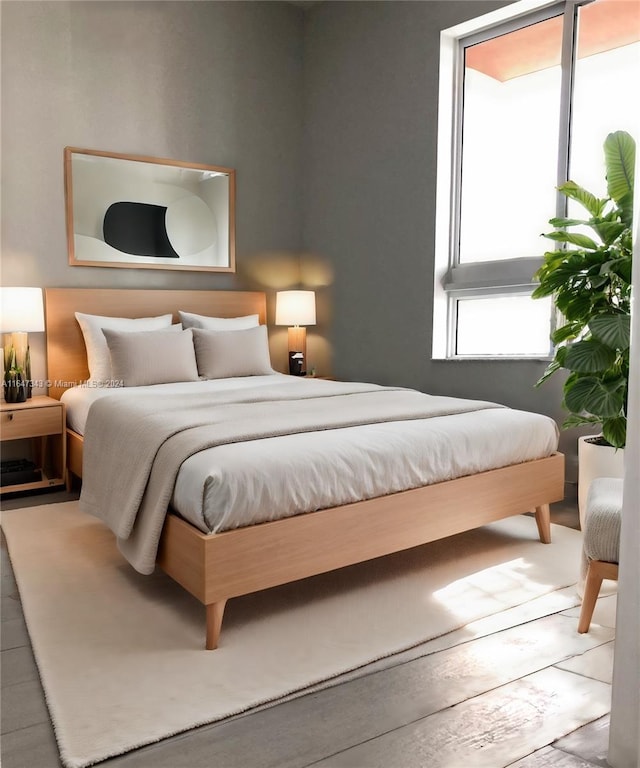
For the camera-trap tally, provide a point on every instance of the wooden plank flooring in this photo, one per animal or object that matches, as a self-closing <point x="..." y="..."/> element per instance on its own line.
<point x="522" y="689"/>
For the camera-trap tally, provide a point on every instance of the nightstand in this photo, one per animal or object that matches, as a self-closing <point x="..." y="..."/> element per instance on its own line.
<point x="41" y="419"/>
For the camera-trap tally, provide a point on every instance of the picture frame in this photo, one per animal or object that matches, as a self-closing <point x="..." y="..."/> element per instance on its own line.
<point x="141" y="212"/>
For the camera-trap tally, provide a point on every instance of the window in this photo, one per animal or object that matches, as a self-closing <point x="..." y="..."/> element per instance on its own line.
<point x="527" y="97"/>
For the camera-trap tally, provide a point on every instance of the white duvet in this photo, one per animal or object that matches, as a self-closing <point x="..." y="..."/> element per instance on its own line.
<point x="240" y="484"/>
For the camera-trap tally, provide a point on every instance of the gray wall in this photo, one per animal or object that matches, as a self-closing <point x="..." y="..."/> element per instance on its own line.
<point x="371" y="90"/>
<point x="209" y="82"/>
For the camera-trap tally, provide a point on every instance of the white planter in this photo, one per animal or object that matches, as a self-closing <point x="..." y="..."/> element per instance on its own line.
<point x="595" y="461"/>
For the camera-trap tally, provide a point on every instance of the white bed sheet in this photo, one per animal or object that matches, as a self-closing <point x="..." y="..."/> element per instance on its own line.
<point x="78" y="400"/>
<point x="240" y="484"/>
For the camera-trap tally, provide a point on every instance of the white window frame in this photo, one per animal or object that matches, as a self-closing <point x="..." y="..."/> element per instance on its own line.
<point x="509" y="277"/>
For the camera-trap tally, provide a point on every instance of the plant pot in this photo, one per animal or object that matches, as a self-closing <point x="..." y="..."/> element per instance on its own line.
<point x="15" y="391"/>
<point x="595" y="461"/>
<point x="15" y="387"/>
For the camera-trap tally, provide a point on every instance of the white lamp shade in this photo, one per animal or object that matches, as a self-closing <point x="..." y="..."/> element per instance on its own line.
<point x="21" y="309"/>
<point x="295" y="308"/>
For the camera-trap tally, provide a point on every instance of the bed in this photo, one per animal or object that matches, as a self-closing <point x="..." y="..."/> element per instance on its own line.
<point x="215" y="567"/>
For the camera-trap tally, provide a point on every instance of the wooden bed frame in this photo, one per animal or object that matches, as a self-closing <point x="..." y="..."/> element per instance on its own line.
<point x="216" y="567"/>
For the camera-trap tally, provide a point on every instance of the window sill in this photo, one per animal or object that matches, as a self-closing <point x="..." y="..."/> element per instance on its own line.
<point x="493" y="358"/>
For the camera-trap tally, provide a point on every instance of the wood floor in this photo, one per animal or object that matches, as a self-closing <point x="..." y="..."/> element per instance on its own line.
<point x="521" y="689"/>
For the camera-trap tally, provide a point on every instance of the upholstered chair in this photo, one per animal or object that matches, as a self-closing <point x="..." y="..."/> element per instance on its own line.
<point x="601" y="544"/>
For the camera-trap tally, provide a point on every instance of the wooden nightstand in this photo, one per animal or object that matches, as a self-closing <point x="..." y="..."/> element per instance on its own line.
<point x="41" y="418"/>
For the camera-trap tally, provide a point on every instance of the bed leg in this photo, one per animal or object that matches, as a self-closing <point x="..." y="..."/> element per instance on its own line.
<point x="543" y="521"/>
<point x="215" y="612"/>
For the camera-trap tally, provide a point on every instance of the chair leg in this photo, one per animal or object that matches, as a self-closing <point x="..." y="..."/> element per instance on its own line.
<point x="598" y="570"/>
<point x="592" y="586"/>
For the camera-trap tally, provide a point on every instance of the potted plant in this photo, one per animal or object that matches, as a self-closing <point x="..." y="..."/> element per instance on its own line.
<point x="589" y="278"/>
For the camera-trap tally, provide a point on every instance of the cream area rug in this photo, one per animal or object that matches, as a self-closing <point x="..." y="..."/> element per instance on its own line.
<point x="121" y="655"/>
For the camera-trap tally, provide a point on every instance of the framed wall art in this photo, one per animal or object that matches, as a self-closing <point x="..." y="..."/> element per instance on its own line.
<point x="148" y="213"/>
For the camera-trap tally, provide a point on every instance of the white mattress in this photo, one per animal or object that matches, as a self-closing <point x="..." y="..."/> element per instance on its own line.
<point x="240" y="484"/>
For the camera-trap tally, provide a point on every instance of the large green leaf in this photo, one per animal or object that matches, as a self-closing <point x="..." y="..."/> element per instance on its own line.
<point x="583" y="241"/>
<point x="615" y="431"/>
<point x="553" y="366"/>
<point x="620" y="158"/>
<point x="575" y="420"/>
<point x="560" y="281"/>
<point x="568" y="331"/>
<point x="541" y="290"/>
<point x="622" y="268"/>
<point x="586" y="199"/>
<point x="614" y="330"/>
<point x="590" y="395"/>
<point x="605" y="268"/>
<point x="562" y="222"/>
<point x="599" y="282"/>
<point x="563" y="277"/>
<point x="625" y="211"/>
<point x="557" y="255"/>
<point x="553" y="257"/>
<point x="589" y="356"/>
<point x="610" y="231"/>
<point x="576" y="307"/>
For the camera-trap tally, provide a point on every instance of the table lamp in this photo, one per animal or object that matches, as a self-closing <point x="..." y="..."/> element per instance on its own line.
<point x="296" y="309"/>
<point x="21" y="311"/>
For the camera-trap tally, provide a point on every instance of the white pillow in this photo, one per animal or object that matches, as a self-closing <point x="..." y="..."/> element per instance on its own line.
<point x="222" y="354"/>
<point x="151" y="357"/>
<point x="97" y="351"/>
<point x="190" y="320"/>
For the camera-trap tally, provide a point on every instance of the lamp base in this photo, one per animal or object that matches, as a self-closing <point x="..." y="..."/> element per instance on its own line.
<point x="297" y="350"/>
<point x="296" y="364"/>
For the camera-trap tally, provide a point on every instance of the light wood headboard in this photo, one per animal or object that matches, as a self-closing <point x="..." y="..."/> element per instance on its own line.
<point x="66" y="354"/>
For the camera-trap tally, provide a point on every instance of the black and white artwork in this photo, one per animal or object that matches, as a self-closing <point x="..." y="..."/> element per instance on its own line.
<point x="131" y="211"/>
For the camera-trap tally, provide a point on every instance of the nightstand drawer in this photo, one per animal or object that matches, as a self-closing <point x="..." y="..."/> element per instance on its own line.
<point x="31" y="422"/>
